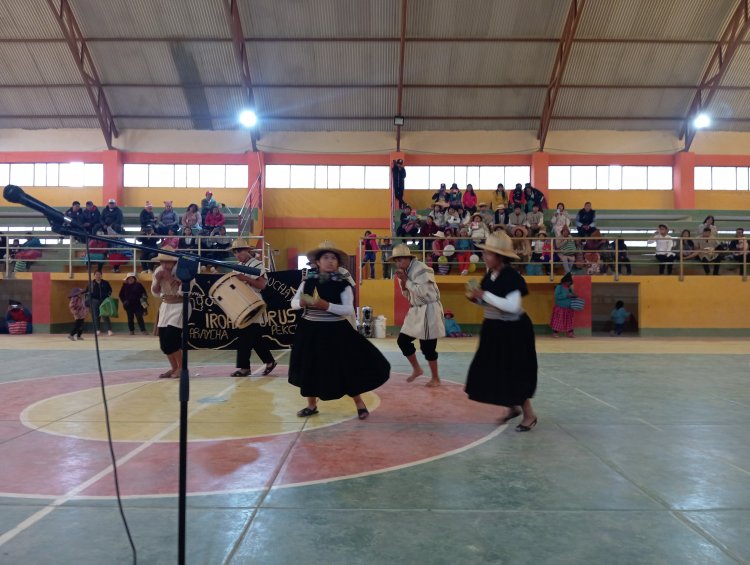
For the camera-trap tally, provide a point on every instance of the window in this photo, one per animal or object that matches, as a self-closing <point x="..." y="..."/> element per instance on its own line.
<point x="303" y="176"/>
<point x="4" y="174"/>
<point x="22" y="174"/>
<point x="236" y="176"/>
<point x="377" y="178"/>
<point x="135" y="175"/>
<point x="72" y="174"/>
<point x="634" y="178"/>
<point x="160" y="175"/>
<point x="169" y="175"/>
<point x="610" y="177"/>
<point x="721" y="178"/>
<point x="583" y="178"/>
<point x="352" y="177"/>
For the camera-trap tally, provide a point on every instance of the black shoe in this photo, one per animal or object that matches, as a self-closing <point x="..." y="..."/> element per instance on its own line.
<point x="269" y="368"/>
<point x="362" y="413"/>
<point x="522" y="428"/>
<point x="307" y="411"/>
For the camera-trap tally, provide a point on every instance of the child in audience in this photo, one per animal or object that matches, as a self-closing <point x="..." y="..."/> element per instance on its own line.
<point x="77" y="307"/>
<point x="619" y="316"/>
<point x="370" y="248"/>
<point x="463" y="250"/>
<point x="452" y="329"/>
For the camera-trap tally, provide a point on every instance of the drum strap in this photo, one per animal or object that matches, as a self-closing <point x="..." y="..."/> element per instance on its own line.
<point x="171" y="299"/>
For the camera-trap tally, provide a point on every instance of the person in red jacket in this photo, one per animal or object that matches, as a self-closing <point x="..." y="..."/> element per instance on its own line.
<point x="370" y="249"/>
<point x="470" y="199"/>
<point x="215" y="218"/>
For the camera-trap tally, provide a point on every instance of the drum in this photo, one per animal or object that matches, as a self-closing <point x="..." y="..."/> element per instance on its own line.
<point x="240" y="302"/>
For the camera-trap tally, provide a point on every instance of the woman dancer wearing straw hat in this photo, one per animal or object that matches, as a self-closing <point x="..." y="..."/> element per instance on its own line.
<point x="166" y="286"/>
<point x="250" y="337"/>
<point x="424" y="321"/>
<point x="329" y="357"/>
<point x="507" y="334"/>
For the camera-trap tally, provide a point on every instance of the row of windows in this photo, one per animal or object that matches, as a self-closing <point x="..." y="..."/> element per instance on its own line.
<point x="327" y="176"/>
<point x="185" y="176"/>
<point x="721" y="178"/>
<point x="52" y="174"/>
<point x="610" y="177"/>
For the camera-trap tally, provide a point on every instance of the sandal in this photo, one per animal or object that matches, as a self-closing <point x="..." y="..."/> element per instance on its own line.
<point x="362" y="413"/>
<point x="307" y="411"/>
<point x="242" y="373"/>
<point x="166" y="375"/>
<point x="269" y="367"/>
<point x="522" y="428"/>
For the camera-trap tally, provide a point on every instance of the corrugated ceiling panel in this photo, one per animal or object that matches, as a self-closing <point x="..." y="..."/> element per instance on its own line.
<point x="471" y="125"/>
<point x="153" y="123"/>
<point x="151" y="18"/>
<point x="349" y="102"/>
<point x="730" y="104"/>
<point x="523" y="102"/>
<point x="226" y="102"/>
<point x="479" y="63"/>
<point x="38" y="63"/>
<point x="327" y="125"/>
<point x="738" y="73"/>
<point x="486" y="18"/>
<point x="27" y="101"/>
<point x="35" y="123"/>
<point x="661" y="19"/>
<point x="71" y="101"/>
<point x="323" y="63"/>
<point x="27" y="18"/>
<point x="622" y="102"/>
<point x="142" y="101"/>
<point x="81" y="123"/>
<point x="620" y="63"/>
<point x="621" y="125"/>
<point x="321" y="18"/>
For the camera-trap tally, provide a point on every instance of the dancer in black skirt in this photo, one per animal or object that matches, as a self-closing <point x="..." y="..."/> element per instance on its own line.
<point x="329" y="357"/>
<point x="504" y="368"/>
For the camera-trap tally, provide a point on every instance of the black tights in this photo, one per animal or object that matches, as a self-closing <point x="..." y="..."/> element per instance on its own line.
<point x="427" y="346"/>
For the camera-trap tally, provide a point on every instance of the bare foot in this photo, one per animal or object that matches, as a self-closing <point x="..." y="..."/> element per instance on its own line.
<point x="415" y="373"/>
<point x="433" y="383"/>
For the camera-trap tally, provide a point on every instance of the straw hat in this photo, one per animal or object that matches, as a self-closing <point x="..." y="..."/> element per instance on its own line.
<point x="440" y="234"/>
<point x="499" y="243"/>
<point x="162" y="257"/>
<point x="241" y="243"/>
<point x="327" y="245"/>
<point x="401" y="250"/>
<point x="477" y="215"/>
<point x="134" y="275"/>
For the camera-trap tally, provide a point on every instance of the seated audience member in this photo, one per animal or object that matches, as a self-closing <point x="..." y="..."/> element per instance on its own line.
<point x="409" y="224"/>
<point x="521" y="244"/>
<point x="454" y="197"/>
<point x="708" y="252"/>
<point x="441" y="196"/>
<point x="535" y="219"/>
<point x="191" y="218"/>
<point x="560" y="219"/>
<point x="98" y="251"/>
<point x="517" y="218"/>
<point x="386" y="248"/>
<point x="147" y="215"/>
<point x="215" y="218"/>
<point x="710" y="223"/>
<point x="478" y="230"/>
<point x="436" y="247"/>
<point x="167" y="219"/>
<point x="469" y="199"/>
<point x="664" y="249"/>
<point x="689" y="251"/>
<point x="171" y="239"/>
<point x="464" y="215"/>
<point x="91" y="218"/>
<point x="516" y="198"/>
<point x="592" y="252"/>
<point x="452" y="219"/>
<point x="500" y="203"/>
<point x="206" y="204"/>
<point x="463" y="247"/>
<point x="112" y="217"/>
<point x="149" y="238"/>
<point x="188" y="241"/>
<point x="619" y="316"/>
<point x="534" y="196"/>
<point x="428" y="228"/>
<point x="738" y="248"/>
<point x="218" y="243"/>
<point x="74" y="212"/>
<point x="541" y="248"/>
<point x="438" y="216"/>
<point x="566" y="249"/>
<point x="623" y="260"/>
<point x="452" y="329"/>
<point x="586" y="220"/>
<point x="26" y="253"/>
<point x="488" y="216"/>
<point x="18" y="318"/>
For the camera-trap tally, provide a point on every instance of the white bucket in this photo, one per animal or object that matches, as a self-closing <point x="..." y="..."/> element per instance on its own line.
<point x="379" y="327"/>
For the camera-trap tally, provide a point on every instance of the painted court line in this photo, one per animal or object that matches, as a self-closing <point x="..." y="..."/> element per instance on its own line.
<point x="59" y="501"/>
<point x="597" y="399"/>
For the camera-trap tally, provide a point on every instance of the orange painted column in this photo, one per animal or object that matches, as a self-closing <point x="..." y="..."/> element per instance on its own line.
<point x="540" y="173"/>
<point x="256" y="168"/>
<point x="41" y="296"/>
<point x="683" y="180"/>
<point x="113" y="176"/>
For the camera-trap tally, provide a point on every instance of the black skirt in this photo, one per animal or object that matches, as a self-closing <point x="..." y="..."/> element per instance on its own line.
<point x="504" y="368"/>
<point x="330" y="360"/>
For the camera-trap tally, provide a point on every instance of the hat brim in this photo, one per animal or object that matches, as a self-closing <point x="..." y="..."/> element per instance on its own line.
<point x="498" y="251"/>
<point x="159" y="258"/>
<point x="343" y="257"/>
<point x="402" y="256"/>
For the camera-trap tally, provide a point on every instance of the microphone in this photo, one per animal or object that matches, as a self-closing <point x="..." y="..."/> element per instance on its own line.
<point x="15" y="194"/>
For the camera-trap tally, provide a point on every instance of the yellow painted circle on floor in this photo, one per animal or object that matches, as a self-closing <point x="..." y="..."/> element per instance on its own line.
<point x="219" y="408"/>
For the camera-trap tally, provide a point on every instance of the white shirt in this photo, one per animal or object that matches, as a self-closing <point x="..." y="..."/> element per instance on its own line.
<point x="664" y="244"/>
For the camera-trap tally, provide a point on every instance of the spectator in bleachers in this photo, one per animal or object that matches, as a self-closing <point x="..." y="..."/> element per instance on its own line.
<point x="441" y="196"/>
<point x="738" y="248"/>
<point x="112" y="217"/>
<point x="455" y="200"/>
<point x="534" y="196"/>
<point x="167" y="219"/>
<point x="149" y="238"/>
<point x="710" y="223"/>
<point x="217" y="245"/>
<point x="488" y="217"/>
<point x="29" y="251"/>
<point x="171" y="240"/>
<point x="566" y="249"/>
<point x="214" y="219"/>
<point x="98" y="251"/>
<point x="688" y="247"/>
<point x="707" y="251"/>
<point x="188" y="242"/>
<point x="428" y="228"/>
<point x="91" y="218"/>
<point x="478" y="230"/>
<point x="369" y="253"/>
<point x="586" y="220"/>
<point x="560" y="219"/>
<point x="438" y="216"/>
<point x="75" y="212"/>
<point x="409" y="223"/>
<point x="535" y="219"/>
<point x="463" y="250"/>
<point x="541" y="250"/>
<point x="206" y="204"/>
<point x="436" y="247"/>
<point x="147" y="215"/>
<point x="191" y="218"/>
<point x="623" y="260"/>
<point x="469" y="199"/>
<point x="452" y="219"/>
<point x="398" y="172"/>
<point x="521" y="245"/>
<point x="500" y="203"/>
<point x="465" y="215"/>
<point x="592" y="248"/>
<point x="516" y="198"/>
<point x="386" y="246"/>
<point x="517" y="218"/>
<point x="664" y="249"/>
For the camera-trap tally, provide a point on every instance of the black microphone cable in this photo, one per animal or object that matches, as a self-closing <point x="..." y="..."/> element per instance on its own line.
<point x="95" y="320"/>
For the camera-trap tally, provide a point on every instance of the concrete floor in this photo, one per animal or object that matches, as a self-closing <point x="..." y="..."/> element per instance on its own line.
<point x="641" y="455"/>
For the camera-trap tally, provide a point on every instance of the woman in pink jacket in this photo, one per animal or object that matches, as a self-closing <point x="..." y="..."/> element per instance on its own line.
<point x="470" y="199"/>
<point x="215" y="218"/>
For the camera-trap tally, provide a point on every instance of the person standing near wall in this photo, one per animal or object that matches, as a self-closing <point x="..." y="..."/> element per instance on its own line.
<point x="98" y="291"/>
<point x="131" y="295"/>
<point x="424" y="321"/>
<point x="398" y="172"/>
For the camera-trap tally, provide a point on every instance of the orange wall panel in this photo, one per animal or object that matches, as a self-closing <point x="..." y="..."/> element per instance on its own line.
<point x="613" y="199"/>
<point x="316" y="203"/>
<point x="62" y="196"/>
<point x="182" y="197"/>
<point x="722" y="200"/>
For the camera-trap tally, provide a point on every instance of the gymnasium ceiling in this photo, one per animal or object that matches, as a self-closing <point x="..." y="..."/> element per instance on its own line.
<point x="352" y="65"/>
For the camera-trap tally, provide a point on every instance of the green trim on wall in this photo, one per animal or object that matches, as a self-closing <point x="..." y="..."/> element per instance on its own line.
<point x="695" y="332"/>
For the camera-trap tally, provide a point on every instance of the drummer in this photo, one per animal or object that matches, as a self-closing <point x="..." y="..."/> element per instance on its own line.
<point x="250" y="337"/>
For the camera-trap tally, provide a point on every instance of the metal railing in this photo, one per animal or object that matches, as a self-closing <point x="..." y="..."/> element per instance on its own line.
<point x="52" y="251"/>
<point x="597" y="256"/>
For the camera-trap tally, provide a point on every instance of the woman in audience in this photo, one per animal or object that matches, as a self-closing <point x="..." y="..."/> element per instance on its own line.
<point x="436" y="247"/>
<point x="478" y="230"/>
<point x="592" y="248"/>
<point x="566" y="249"/>
<point x="454" y="196"/>
<point x="215" y="218"/>
<point x="441" y="196"/>
<point x="560" y="219"/>
<point x="562" y="313"/>
<point x="500" y="202"/>
<point x="710" y="223"/>
<point x="463" y="250"/>
<point x="428" y="229"/>
<point x="438" y="216"/>
<point x="188" y="242"/>
<point x="470" y="199"/>
<point x="171" y="239"/>
<point x="521" y="244"/>
<point x="452" y="219"/>
<point x="192" y="218"/>
<point x="516" y="198"/>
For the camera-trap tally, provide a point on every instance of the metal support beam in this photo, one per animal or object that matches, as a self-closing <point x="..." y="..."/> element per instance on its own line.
<point x="733" y="35"/>
<point x="78" y="47"/>
<point x="561" y="60"/>
<point x="401" y="59"/>
<point x="240" y="52"/>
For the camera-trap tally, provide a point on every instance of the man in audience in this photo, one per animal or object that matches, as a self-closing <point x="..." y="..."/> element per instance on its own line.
<point x="586" y="220"/>
<point x="738" y="248"/>
<point x="708" y="254"/>
<point x="455" y="200"/>
<point x="535" y="219"/>
<point x="91" y="218"/>
<point x="168" y="219"/>
<point x="147" y="215"/>
<point x="206" y="204"/>
<point x="74" y="212"/>
<point x="534" y="196"/>
<point x="399" y="181"/>
<point x="112" y="217"/>
<point x="664" y="246"/>
<point x="488" y="216"/>
<point x="517" y="218"/>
